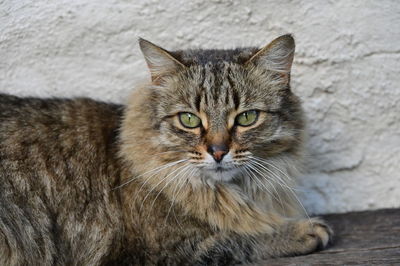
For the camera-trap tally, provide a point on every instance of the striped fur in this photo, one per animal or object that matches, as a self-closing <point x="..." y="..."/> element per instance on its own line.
<point x="88" y="183"/>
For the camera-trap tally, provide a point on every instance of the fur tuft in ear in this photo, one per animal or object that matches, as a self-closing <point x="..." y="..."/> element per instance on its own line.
<point x="159" y="60"/>
<point x="276" y="56"/>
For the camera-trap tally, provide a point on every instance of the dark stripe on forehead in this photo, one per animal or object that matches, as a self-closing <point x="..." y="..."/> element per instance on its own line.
<point x="222" y="86"/>
<point x="202" y="87"/>
<point x="197" y="100"/>
<point x="228" y="96"/>
<point x="217" y="88"/>
<point x="209" y="83"/>
<point x="226" y="85"/>
<point x="234" y="93"/>
<point x="204" y="96"/>
<point x="216" y="91"/>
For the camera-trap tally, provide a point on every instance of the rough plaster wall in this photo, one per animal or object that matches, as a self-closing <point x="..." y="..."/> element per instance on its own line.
<point x="346" y="70"/>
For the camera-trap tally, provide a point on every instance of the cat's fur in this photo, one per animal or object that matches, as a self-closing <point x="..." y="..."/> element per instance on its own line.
<point x="83" y="183"/>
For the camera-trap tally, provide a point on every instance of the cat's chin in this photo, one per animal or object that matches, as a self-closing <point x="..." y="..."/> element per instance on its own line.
<point x="220" y="174"/>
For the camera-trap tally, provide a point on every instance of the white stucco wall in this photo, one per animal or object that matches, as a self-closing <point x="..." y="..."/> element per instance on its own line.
<point x="346" y="71"/>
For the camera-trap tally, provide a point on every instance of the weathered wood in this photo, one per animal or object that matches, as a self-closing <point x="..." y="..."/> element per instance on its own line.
<point x="361" y="238"/>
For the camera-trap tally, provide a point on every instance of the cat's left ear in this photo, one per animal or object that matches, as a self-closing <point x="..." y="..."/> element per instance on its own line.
<point x="277" y="56"/>
<point x="160" y="61"/>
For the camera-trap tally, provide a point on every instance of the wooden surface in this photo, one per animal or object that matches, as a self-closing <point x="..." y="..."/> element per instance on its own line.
<point x="361" y="238"/>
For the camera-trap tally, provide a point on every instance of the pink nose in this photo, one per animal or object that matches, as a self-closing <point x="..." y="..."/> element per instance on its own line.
<point x="218" y="152"/>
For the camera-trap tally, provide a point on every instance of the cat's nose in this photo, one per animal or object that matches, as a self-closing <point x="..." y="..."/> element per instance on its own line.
<point x="218" y="152"/>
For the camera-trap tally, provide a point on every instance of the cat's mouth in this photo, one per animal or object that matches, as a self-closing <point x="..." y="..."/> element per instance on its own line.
<point x="221" y="173"/>
<point x="223" y="170"/>
<point x="220" y="169"/>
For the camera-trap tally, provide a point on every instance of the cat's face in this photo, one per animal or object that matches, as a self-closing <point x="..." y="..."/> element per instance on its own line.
<point x="222" y="114"/>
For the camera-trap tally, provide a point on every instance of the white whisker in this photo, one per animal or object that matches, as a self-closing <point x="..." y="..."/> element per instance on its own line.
<point x="255" y="176"/>
<point x="182" y="170"/>
<point x="174" y="194"/>
<point x="155" y="174"/>
<point x="158" y="169"/>
<point x="262" y="175"/>
<point x="154" y="187"/>
<point x="289" y="188"/>
<point x="181" y="185"/>
<point x="279" y="179"/>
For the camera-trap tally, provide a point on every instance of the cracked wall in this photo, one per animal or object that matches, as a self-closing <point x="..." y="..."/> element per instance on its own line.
<point x="346" y="71"/>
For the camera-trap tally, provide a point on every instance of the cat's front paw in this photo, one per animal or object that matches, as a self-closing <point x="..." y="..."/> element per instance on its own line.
<point x="312" y="235"/>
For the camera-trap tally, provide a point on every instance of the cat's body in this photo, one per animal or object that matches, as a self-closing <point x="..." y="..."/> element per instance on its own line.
<point x="57" y="167"/>
<point x="88" y="183"/>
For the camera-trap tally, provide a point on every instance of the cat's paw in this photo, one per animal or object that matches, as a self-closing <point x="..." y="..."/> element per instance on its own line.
<point x="312" y="235"/>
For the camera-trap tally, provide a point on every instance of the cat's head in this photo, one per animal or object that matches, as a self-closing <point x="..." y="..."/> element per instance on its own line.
<point x="219" y="111"/>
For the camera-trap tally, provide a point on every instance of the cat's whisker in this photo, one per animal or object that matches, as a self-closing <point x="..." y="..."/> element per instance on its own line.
<point x="293" y="195"/>
<point x="180" y="189"/>
<point x="279" y="179"/>
<point x="272" y="194"/>
<point x="174" y="194"/>
<point x="162" y="180"/>
<point x="245" y="174"/>
<point x="289" y="188"/>
<point x="284" y="185"/>
<point x="164" y="167"/>
<point x="183" y="170"/>
<point x="272" y="175"/>
<point x="272" y="185"/>
<point x="250" y="174"/>
<point x="195" y="160"/>
<point x="244" y="154"/>
<point x="255" y="178"/>
<point x="158" y="169"/>
<point x="181" y="185"/>
<point x="272" y="165"/>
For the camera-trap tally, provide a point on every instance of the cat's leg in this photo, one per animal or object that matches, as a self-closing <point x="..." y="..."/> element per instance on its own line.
<point x="293" y="238"/>
<point x="298" y="237"/>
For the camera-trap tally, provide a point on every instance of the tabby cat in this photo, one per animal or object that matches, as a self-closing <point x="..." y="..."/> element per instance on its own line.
<point x="196" y="169"/>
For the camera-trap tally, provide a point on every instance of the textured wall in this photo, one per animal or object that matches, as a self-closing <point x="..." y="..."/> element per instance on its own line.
<point x="346" y="71"/>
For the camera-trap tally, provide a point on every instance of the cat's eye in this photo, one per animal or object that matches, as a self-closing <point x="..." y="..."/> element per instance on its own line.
<point x="247" y="118"/>
<point x="189" y="120"/>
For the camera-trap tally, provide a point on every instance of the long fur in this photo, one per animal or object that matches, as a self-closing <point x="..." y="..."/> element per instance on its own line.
<point x="89" y="183"/>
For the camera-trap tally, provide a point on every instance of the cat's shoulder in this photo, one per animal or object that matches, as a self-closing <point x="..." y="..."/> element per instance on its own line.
<point x="10" y="103"/>
<point x="27" y="111"/>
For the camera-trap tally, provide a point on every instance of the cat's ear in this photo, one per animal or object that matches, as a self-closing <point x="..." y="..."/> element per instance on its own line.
<point x="276" y="56"/>
<point x="160" y="61"/>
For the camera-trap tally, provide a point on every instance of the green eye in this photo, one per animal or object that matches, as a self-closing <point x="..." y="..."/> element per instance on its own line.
<point x="247" y="118"/>
<point x="189" y="120"/>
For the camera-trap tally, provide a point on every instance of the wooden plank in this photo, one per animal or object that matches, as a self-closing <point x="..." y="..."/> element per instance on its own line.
<point x="361" y="238"/>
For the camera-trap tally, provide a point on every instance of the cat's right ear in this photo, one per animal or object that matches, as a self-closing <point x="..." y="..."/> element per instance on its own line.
<point x="276" y="56"/>
<point x="160" y="61"/>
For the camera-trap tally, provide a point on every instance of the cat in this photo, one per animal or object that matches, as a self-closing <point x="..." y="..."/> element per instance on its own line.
<point x="196" y="169"/>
